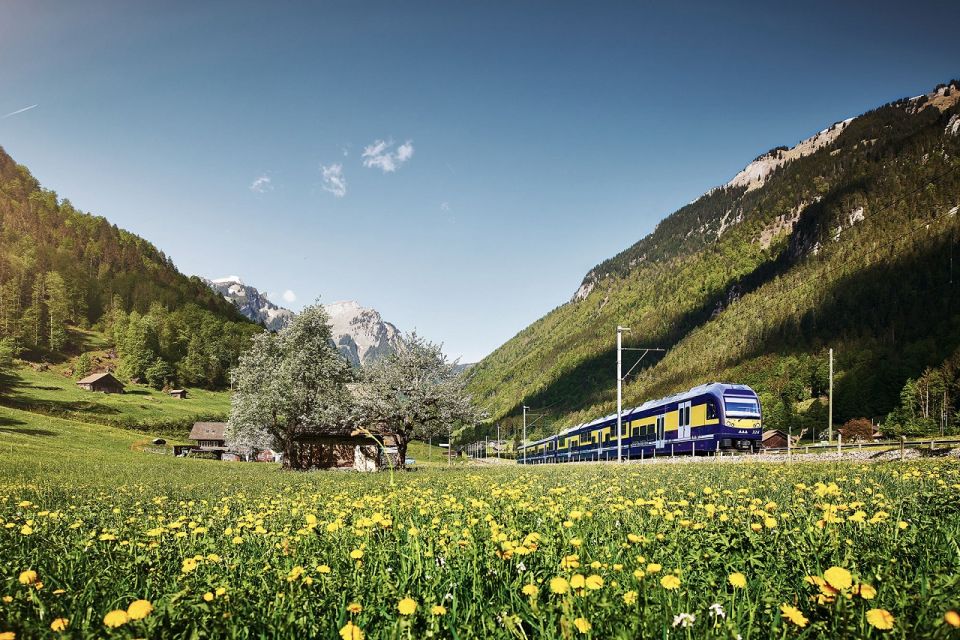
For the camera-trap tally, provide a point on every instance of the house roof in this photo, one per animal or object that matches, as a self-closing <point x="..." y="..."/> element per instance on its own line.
<point x="769" y="433"/>
<point x="98" y="376"/>
<point x="208" y="431"/>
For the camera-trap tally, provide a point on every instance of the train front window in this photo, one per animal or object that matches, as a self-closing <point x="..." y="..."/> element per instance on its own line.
<point x="742" y="407"/>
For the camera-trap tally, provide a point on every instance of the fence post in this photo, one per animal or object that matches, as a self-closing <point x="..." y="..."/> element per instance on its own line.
<point x="931" y="445"/>
<point x="903" y="441"/>
<point x="839" y="444"/>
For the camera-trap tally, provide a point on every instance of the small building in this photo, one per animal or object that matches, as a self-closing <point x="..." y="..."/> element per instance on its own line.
<point x="102" y="382"/>
<point x="774" y="439"/>
<point x="340" y="448"/>
<point x="179" y="393"/>
<point x="209" y="434"/>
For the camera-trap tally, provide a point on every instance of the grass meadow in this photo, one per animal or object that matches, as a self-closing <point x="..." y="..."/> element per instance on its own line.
<point x="99" y="539"/>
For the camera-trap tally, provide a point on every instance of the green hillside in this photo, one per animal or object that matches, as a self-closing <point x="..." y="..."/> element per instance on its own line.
<point x="849" y="245"/>
<point x="71" y="281"/>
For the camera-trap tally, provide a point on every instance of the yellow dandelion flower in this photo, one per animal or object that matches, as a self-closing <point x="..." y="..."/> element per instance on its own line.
<point x="407" y="606"/>
<point x="630" y="597"/>
<point x="116" y="618"/>
<point x="8" y="635"/>
<point x="653" y="567"/>
<point x="952" y="618"/>
<point x="578" y="581"/>
<point x="26" y="530"/>
<point x="323" y="569"/>
<point x="867" y="592"/>
<point x="737" y="580"/>
<point x="880" y="619"/>
<point x="559" y="585"/>
<point x="794" y="615"/>
<point x="139" y="609"/>
<point x="582" y="625"/>
<point x="189" y="564"/>
<point x="594" y="582"/>
<point x="221" y="591"/>
<point x="530" y="590"/>
<point x="28" y="577"/>
<point x="838" y="578"/>
<point x="208" y="596"/>
<point x="351" y="631"/>
<point x="59" y="624"/>
<point x="438" y="610"/>
<point x="670" y="582"/>
<point x="354" y="608"/>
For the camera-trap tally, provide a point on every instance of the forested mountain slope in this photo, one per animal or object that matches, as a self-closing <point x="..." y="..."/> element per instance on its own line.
<point x="846" y="240"/>
<point x="62" y="269"/>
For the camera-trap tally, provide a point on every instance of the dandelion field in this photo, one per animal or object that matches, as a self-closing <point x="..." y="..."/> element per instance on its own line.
<point x="203" y="549"/>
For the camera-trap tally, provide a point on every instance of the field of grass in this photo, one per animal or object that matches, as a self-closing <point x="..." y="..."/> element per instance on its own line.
<point x="89" y="525"/>
<point x="51" y="392"/>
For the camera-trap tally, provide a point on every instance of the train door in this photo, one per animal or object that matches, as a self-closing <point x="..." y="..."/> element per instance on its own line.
<point x="660" y="431"/>
<point x="683" y="430"/>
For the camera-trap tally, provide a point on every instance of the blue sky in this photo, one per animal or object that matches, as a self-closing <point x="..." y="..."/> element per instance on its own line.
<point x="525" y="141"/>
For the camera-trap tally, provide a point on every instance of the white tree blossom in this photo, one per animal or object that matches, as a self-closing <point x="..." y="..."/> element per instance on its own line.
<point x="289" y="383"/>
<point x="415" y="393"/>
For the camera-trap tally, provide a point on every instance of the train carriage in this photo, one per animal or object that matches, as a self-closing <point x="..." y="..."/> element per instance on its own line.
<point x="706" y="419"/>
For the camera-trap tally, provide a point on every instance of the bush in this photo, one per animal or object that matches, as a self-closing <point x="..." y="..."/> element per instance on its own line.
<point x="857" y="429"/>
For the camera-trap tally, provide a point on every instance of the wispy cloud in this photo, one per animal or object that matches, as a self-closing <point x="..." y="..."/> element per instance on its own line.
<point x="382" y="155"/>
<point x="262" y="184"/>
<point x="444" y="206"/>
<point x="289" y="296"/>
<point x="13" y="113"/>
<point x="333" y="179"/>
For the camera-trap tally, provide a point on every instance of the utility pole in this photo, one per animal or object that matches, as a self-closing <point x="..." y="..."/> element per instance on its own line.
<point x="620" y="331"/>
<point x="620" y="378"/>
<point x="524" y="441"/>
<point x="498" y="441"/>
<point x="830" y="410"/>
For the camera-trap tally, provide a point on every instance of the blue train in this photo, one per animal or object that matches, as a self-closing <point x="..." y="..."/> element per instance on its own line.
<point x="706" y="419"/>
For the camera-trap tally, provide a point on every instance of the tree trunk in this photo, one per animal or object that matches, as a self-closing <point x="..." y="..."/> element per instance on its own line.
<point x="402" y="442"/>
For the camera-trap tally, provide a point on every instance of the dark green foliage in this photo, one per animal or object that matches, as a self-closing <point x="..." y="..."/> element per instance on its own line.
<point x="83" y="367"/>
<point x="850" y="247"/>
<point x="60" y="267"/>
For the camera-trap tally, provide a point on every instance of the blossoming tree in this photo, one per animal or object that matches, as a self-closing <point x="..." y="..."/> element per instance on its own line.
<point x="288" y="384"/>
<point x="415" y="393"/>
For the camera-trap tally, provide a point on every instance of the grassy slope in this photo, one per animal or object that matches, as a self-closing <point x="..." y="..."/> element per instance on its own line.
<point x="53" y="393"/>
<point x="565" y="361"/>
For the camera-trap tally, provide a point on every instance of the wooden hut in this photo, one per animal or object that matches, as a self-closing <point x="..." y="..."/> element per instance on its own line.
<point x="209" y="434"/>
<point x="774" y="439"/>
<point x="102" y="382"/>
<point x="340" y="448"/>
<point x="179" y="393"/>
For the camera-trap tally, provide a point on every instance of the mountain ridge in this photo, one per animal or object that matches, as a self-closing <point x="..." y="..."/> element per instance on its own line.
<point x="784" y="215"/>
<point x="361" y="334"/>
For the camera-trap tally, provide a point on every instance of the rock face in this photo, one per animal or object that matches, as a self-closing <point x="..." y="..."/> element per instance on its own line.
<point x="251" y="302"/>
<point x="361" y="334"/>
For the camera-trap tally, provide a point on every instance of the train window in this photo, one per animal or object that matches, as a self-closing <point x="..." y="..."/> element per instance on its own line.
<point x="742" y="406"/>
<point x="711" y="410"/>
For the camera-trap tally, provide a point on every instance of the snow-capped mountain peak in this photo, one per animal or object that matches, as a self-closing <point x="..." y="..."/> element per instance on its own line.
<point x="360" y="333"/>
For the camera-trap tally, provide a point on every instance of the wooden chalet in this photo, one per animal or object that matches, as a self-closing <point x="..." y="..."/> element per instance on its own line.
<point x="178" y="393"/>
<point x="209" y="438"/>
<point x="345" y="448"/>
<point x="103" y="382"/>
<point x="774" y="439"/>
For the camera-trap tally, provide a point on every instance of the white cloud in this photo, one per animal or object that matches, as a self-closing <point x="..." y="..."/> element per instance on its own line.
<point x="444" y="206"/>
<point x="262" y="184"/>
<point x="381" y="155"/>
<point x="333" y="179"/>
<point x="289" y="296"/>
